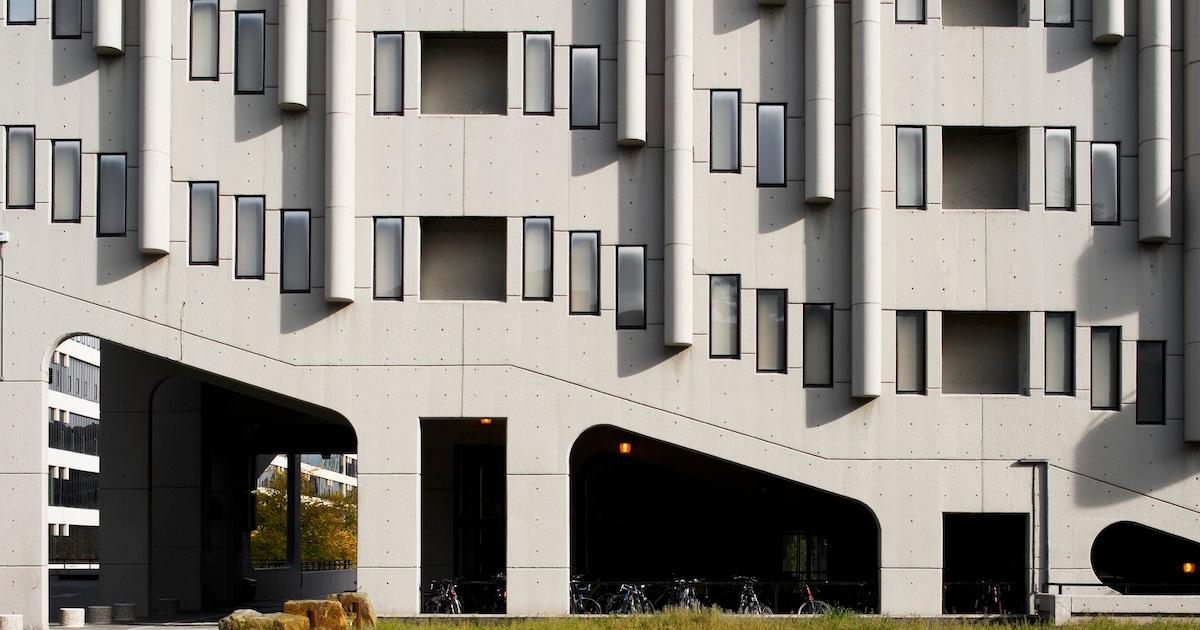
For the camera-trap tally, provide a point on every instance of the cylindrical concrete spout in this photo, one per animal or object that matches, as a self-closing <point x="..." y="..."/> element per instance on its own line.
<point x="340" y="24"/>
<point x="677" y="189"/>
<point x="293" y="54"/>
<point x="819" y="56"/>
<point x="631" y="73"/>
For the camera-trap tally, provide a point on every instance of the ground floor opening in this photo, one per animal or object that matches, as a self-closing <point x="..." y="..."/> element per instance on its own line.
<point x="985" y="563"/>
<point x="1133" y="559"/>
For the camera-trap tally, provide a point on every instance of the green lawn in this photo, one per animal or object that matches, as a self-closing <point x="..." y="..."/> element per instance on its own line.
<point x="716" y="621"/>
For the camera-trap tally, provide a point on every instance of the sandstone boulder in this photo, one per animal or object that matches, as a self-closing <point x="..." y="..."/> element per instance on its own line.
<point x="322" y="614"/>
<point x="357" y="607"/>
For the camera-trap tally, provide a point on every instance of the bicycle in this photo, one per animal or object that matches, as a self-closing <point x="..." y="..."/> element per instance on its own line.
<point x="811" y="605"/>
<point x="581" y="604"/>
<point x="443" y="598"/>
<point x="990" y="600"/>
<point x="682" y="594"/>
<point x="630" y="599"/>
<point x="748" y="603"/>
<point x="497" y="593"/>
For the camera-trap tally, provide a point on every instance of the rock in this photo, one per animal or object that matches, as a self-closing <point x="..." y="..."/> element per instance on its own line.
<point x="357" y="607"/>
<point x="324" y="614"/>
<point x="245" y="619"/>
<point x="238" y="619"/>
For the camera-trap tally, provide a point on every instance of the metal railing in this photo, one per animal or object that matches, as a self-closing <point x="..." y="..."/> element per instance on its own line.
<point x="305" y="565"/>
<point x="783" y="596"/>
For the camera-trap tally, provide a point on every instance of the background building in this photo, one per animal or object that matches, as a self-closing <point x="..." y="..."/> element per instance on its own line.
<point x="74" y="455"/>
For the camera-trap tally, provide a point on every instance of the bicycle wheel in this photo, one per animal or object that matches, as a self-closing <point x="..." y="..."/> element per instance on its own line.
<point x="815" y="607"/>
<point x="589" y="606"/>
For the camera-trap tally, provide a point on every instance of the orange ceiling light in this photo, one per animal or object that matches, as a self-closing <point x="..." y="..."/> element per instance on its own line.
<point x="1189" y="567"/>
<point x="624" y="448"/>
<point x="485" y="421"/>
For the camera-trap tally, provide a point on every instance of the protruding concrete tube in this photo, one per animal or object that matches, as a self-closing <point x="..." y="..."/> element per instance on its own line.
<point x="1191" y="219"/>
<point x="1108" y="21"/>
<point x="772" y="3"/>
<point x="866" y="215"/>
<point x="631" y="73"/>
<point x="154" y="226"/>
<point x="293" y="54"/>
<point x="340" y="24"/>
<point x="109" y="29"/>
<point x="677" y="189"/>
<point x="818" y="101"/>
<point x="1154" y="121"/>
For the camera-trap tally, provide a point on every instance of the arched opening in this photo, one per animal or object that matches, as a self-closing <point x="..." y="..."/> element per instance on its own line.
<point x="648" y="512"/>
<point x="1133" y="559"/>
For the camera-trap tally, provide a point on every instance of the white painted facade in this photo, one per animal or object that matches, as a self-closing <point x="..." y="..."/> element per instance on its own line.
<point x="384" y="365"/>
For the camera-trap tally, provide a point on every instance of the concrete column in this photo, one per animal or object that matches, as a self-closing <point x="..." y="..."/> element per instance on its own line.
<point x="631" y="73"/>
<point x="154" y="226"/>
<point x="866" y="217"/>
<point x="1191" y="218"/>
<point x="818" y="101"/>
<point x="1154" y="121"/>
<point x="1108" y="21"/>
<point x="109" y="29"/>
<point x="677" y="168"/>
<point x="339" y="150"/>
<point x="293" y="510"/>
<point x="293" y="54"/>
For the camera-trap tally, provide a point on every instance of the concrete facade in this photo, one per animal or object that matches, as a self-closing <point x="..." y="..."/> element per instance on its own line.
<point x="385" y="365"/>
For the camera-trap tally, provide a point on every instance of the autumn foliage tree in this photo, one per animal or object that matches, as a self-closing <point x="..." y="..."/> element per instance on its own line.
<point x="328" y="524"/>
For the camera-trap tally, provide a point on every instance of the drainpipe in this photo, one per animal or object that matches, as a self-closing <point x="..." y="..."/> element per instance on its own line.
<point x="1108" y="21"/>
<point x="819" y="56"/>
<point x="631" y="73"/>
<point x="1154" y="121"/>
<point x="677" y="189"/>
<point x="154" y="226"/>
<point x="109" y="28"/>
<point x="293" y="54"/>
<point x="866" y="216"/>
<point x="340" y="73"/>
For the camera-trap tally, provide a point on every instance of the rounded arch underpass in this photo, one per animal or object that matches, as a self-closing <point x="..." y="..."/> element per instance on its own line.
<point x="1134" y="559"/>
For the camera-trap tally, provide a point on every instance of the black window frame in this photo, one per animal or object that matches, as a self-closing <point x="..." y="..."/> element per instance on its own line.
<point x="525" y="76"/>
<point x="283" y="213"/>
<point x="1073" y="387"/>
<point x="524" y="294"/>
<point x="758" y="330"/>
<point x="1092" y="179"/>
<point x="1074" y="172"/>
<point x="237" y="226"/>
<point x="124" y="195"/>
<point x="216" y="215"/>
<point x="924" y="14"/>
<point x="1117" y="371"/>
<point x="54" y="20"/>
<point x="571" y="274"/>
<point x="1162" y="353"/>
<point x="1068" y="24"/>
<point x="923" y="368"/>
<point x="192" y="48"/>
<point x="737" y="132"/>
<point x="758" y="146"/>
<point x="11" y="22"/>
<point x="54" y="177"/>
<point x="737" y="311"/>
<point x="8" y="168"/>
<point x="804" y="334"/>
<point x="924" y="205"/>
<point x="375" y="262"/>
<point x="571" y="88"/>
<point x="617" y="282"/>
<point x="375" y="111"/>
<point x="237" y="54"/>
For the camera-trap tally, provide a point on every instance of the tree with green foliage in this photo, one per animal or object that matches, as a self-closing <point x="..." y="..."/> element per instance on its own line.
<point x="328" y="525"/>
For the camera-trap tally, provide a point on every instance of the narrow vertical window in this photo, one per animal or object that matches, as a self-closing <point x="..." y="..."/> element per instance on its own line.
<point x="21" y="160"/>
<point x="1060" y="354"/>
<point x="910" y="352"/>
<point x="1106" y="367"/>
<point x="389" y="258"/>
<point x="724" y="316"/>
<point x="295" y="247"/>
<point x="538" y="261"/>
<point x="206" y="29"/>
<point x="910" y="167"/>
<point x="725" y="151"/>
<point x="539" y="73"/>
<point x="1060" y="169"/>
<point x="585" y="273"/>
<point x="111" y="195"/>
<point x="1059" y="13"/>
<point x="772" y="145"/>
<point x="1151" y="382"/>
<point x="631" y="286"/>
<point x="250" y="52"/>
<point x="1106" y="198"/>
<point x="21" y="12"/>
<point x="67" y="198"/>
<point x="389" y="73"/>
<point x="249" y="237"/>
<point x="818" y="345"/>
<point x="203" y="224"/>
<point x="67" y="18"/>
<point x="585" y="87"/>
<point x="910" y="11"/>
<point x="771" y="340"/>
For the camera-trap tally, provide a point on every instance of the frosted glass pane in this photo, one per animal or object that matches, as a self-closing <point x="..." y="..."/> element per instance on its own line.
<point x="110" y="198"/>
<point x="1060" y="353"/>
<point x="203" y="231"/>
<point x="771" y="134"/>
<point x="389" y="257"/>
<point x="1106" y="206"/>
<point x="1106" y="367"/>
<point x="249" y="52"/>
<point x="585" y="266"/>
<point x="910" y="167"/>
<point x="910" y="10"/>
<point x="818" y="344"/>
<point x="249" y="254"/>
<point x="1060" y="173"/>
<point x="389" y="73"/>
<point x="539" y="73"/>
<point x="20" y="167"/>
<point x="772" y="330"/>
<point x="1151" y="379"/>
<point x="724" y="131"/>
<point x="585" y="87"/>
<point x="1058" y="11"/>
<point x="67" y="184"/>
<point x="631" y="287"/>
<point x="68" y="18"/>
<point x="723" y="315"/>
<point x="21" y="11"/>
<point x="295" y="248"/>
<point x="910" y="351"/>
<point x="539" y="266"/>
<point x="205" y="34"/>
